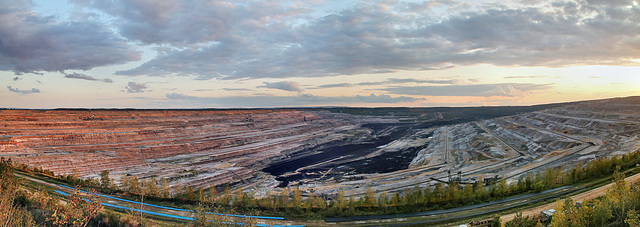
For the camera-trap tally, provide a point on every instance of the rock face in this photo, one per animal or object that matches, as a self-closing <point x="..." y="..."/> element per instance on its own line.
<point x="199" y="148"/>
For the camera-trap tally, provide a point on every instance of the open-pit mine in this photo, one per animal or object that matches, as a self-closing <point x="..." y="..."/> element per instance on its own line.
<point x="320" y="149"/>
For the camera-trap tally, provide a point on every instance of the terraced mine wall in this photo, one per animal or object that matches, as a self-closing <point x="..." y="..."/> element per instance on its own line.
<point x="508" y="147"/>
<point x="199" y="148"/>
<point x="320" y="150"/>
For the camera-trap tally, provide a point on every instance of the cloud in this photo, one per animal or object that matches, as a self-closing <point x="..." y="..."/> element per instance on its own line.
<point x="32" y="42"/>
<point x="133" y="87"/>
<point x="236" y="89"/>
<point x="407" y="80"/>
<point x="389" y="81"/>
<point x="23" y="92"/>
<point x="86" y="77"/>
<point x="289" y="101"/>
<point x="257" y="39"/>
<point x="382" y="98"/>
<point x="335" y="85"/>
<point x="506" y="90"/>
<point x="180" y="96"/>
<point x="283" y="85"/>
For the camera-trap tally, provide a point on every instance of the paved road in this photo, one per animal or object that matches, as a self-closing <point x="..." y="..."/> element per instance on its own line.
<point x="551" y="193"/>
<point x="513" y="205"/>
<point x="591" y="194"/>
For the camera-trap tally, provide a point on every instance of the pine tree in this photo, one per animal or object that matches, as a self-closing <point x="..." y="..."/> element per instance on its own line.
<point x="321" y="203"/>
<point x="105" y="182"/>
<point x="370" y="198"/>
<point x="238" y="198"/>
<point x="165" y="188"/>
<point x="427" y="195"/>
<point x="416" y="195"/>
<point x="201" y="197"/>
<point x="340" y="200"/>
<point x="395" y="199"/>
<point x="226" y="196"/>
<point x="438" y="192"/>
<point x="528" y="182"/>
<point x="310" y="202"/>
<point x="151" y="187"/>
<point x="297" y="198"/>
<point x="383" y="200"/>
<point x="190" y="195"/>
<point x="620" y="197"/>
<point x="478" y="190"/>
<point x="502" y="188"/>
<point x="284" y="198"/>
<point x="134" y="185"/>
<point x="213" y="194"/>
<point x="124" y="183"/>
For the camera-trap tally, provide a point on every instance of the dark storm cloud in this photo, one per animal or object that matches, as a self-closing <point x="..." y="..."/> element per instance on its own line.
<point x="298" y="100"/>
<point x="86" y="77"/>
<point x="23" y="92"/>
<point x="31" y="42"/>
<point x="507" y="90"/>
<point x="133" y="87"/>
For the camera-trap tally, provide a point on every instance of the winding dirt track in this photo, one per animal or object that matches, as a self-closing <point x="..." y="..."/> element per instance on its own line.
<point x="592" y="194"/>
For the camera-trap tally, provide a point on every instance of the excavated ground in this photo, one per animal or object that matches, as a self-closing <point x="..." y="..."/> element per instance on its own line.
<point x="198" y="148"/>
<point x="322" y="150"/>
<point x="509" y="147"/>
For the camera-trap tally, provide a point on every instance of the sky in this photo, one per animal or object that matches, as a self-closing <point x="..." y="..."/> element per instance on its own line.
<point x="246" y="53"/>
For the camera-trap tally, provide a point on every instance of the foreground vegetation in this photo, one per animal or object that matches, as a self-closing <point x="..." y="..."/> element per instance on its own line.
<point x="292" y="203"/>
<point x="22" y="205"/>
<point x="618" y="207"/>
<point x="27" y="207"/>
